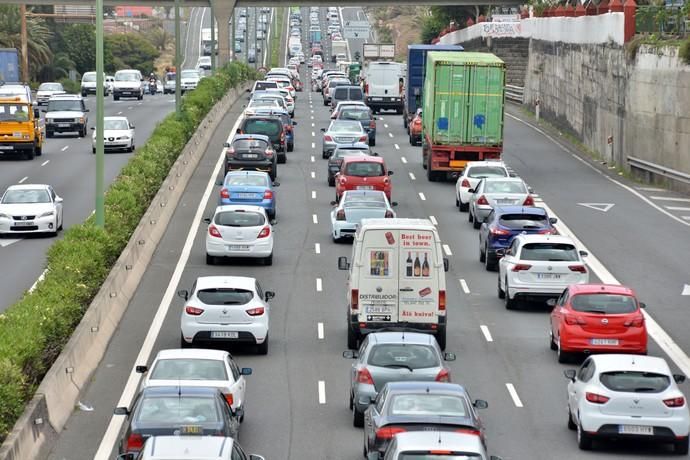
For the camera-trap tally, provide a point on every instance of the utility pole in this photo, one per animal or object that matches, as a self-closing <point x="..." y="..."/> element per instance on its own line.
<point x="233" y="37"/>
<point x="178" y="59"/>
<point x="100" y="159"/>
<point x="213" y="41"/>
<point x="25" y="44"/>
<point x="256" y="40"/>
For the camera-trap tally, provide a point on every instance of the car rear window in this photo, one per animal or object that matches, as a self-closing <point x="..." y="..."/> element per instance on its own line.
<point x="552" y="252"/>
<point x="176" y="410"/>
<point x="635" y="381"/>
<point x="352" y="114"/>
<point x="251" y="145"/>
<point x="340" y="153"/>
<point x="604" y="303"/>
<point x="481" y="172"/>
<point x="225" y="296"/>
<point x="413" y="356"/>
<point x="504" y="187"/>
<point x="261" y="85"/>
<point x="429" y="455"/>
<point x="353" y="94"/>
<point x="364" y="169"/>
<point x="189" y="369"/>
<point x="523" y="221"/>
<point x="345" y="127"/>
<point x="239" y="219"/>
<point x="247" y="179"/>
<point x="267" y="127"/>
<point x="428" y="404"/>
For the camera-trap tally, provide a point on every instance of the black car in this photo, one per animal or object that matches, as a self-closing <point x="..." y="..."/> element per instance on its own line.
<point x="253" y="152"/>
<point x="336" y="160"/>
<point x="362" y="114"/>
<point x="270" y="126"/>
<point x="288" y="124"/>
<point x="419" y="406"/>
<point x="159" y="411"/>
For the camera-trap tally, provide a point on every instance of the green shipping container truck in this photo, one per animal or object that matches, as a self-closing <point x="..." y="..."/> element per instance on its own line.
<point x="462" y="117"/>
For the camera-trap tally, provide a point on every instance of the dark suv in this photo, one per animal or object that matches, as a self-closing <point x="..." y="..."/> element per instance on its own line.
<point x="268" y="125"/>
<point x="251" y="152"/>
<point x="346" y="93"/>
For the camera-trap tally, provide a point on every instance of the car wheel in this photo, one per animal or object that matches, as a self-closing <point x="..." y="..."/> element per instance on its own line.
<point x="476" y="223"/>
<point x="352" y="405"/>
<point x="681" y="447"/>
<point x="584" y="441"/>
<point x="552" y="342"/>
<point x="357" y="418"/>
<point x="268" y="260"/>
<point x="83" y="94"/>
<point x="571" y="424"/>
<point x="210" y="260"/>
<point x="470" y="216"/>
<point x="441" y="338"/>
<point x="482" y="254"/>
<point x="282" y="159"/>
<point x="324" y="155"/>
<point x="291" y="147"/>
<point x="93" y="149"/>
<point x="61" y="222"/>
<point x="183" y="342"/>
<point x="563" y="356"/>
<point x="411" y="140"/>
<point x="116" y="97"/>
<point x="262" y="348"/>
<point x="501" y="292"/>
<point x="489" y="263"/>
<point x="404" y="121"/>
<point x="457" y="202"/>
<point x="49" y="134"/>
<point x="510" y="303"/>
<point x="30" y="154"/>
<point x="464" y="207"/>
<point x="352" y="339"/>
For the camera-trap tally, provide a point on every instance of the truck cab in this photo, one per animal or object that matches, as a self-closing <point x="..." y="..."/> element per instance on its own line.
<point x="21" y="132"/>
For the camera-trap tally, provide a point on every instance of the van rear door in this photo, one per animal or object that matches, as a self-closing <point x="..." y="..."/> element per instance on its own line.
<point x="378" y="285"/>
<point x="419" y="268"/>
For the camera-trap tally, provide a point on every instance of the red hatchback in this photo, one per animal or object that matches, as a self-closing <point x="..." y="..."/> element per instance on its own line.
<point x="363" y="173"/>
<point x="597" y="318"/>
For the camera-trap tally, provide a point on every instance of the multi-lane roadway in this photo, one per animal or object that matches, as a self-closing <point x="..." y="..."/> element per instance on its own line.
<point x="297" y="396"/>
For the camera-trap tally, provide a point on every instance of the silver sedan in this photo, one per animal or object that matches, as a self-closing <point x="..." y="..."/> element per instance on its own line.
<point x="356" y="205"/>
<point x="497" y="191"/>
<point x="341" y="133"/>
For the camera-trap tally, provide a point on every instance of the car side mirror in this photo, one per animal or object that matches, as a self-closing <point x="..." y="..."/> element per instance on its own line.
<point x="343" y="263"/>
<point x="121" y="411"/>
<point x="512" y="174"/>
<point x="141" y="79"/>
<point x="643" y="305"/>
<point x="142" y="369"/>
<point x="125" y="457"/>
<point x="239" y="131"/>
<point x="570" y="374"/>
<point x="375" y="154"/>
<point x="239" y="413"/>
<point x="246" y="371"/>
<point x="390" y="173"/>
<point x="273" y="221"/>
<point x="551" y="302"/>
<point x="333" y="203"/>
<point x="58" y="199"/>
<point x="276" y="184"/>
<point x="679" y="378"/>
<point x="446" y="264"/>
<point x="323" y="130"/>
<point x="131" y="126"/>
<point x="87" y="110"/>
<point x="448" y="356"/>
<point x="552" y="220"/>
<point x="44" y="110"/>
<point x="184" y="294"/>
<point x="248" y="90"/>
<point x="350" y="354"/>
<point x="207" y="220"/>
<point x="495" y="457"/>
<point x="584" y="253"/>
<point x="219" y="183"/>
<point x="470" y="190"/>
<point x="530" y="189"/>
<point x="394" y="204"/>
<point x="268" y="295"/>
<point x="93" y="128"/>
<point x="500" y="252"/>
<point x="480" y="404"/>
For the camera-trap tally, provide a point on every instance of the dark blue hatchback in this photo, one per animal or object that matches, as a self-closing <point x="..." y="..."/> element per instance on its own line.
<point x="503" y="223"/>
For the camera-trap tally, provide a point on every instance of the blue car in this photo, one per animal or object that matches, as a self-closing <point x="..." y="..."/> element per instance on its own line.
<point x="503" y="223"/>
<point x="249" y="188"/>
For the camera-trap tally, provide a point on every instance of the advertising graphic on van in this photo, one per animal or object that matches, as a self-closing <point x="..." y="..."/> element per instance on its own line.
<point x="378" y="263"/>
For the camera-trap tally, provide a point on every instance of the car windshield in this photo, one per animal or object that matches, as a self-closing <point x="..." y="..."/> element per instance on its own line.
<point x="635" y="381"/>
<point x="225" y="296"/>
<point x="190" y="74"/>
<point x="13" y="112"/>
<point x="239" y="219"/>
<point x="406" y="355"/>
<point x="481" y="172"/>
<point x="428" y="404"/>
<point x="353" y="114"/>
<point x="552" y="252"/>
<point x="364" y="169"/>
<point x="90" y="77"/>
<point x="26" y="196"/>
<point x="251" y="145"/>
<point x="604" y="303"/>
<point x="345" y="127"/>
<point x="520" y="221"/>
<point x="504" y="187"/>
<point x="176" y="410"/>
<point x="188" y="369"/>
<point x="439" y="456"/>
<point x="126" y="76"/>
<point x="64" y="105"/>
<point x="259" y="126"/>
<point x="50" y="87"/>
<point x="115" y="124"/>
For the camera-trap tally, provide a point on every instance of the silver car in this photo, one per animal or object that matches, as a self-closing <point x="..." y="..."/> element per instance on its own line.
<point x="393" y="357"/>
<point x="356" y="205"/>
<point x="341" y="133"/>
<point x="497" y="191"/>
<point x="431" y="444"/>
<point x="188" y="446"/>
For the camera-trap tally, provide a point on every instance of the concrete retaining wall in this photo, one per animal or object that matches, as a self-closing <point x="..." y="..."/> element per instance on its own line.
<point x="55" y="399"/>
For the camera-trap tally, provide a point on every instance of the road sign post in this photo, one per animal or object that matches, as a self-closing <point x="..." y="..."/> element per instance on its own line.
<point x="100" y="159"/>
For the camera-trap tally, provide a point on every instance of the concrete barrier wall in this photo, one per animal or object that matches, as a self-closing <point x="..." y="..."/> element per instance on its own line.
<point x="46" y="414"/>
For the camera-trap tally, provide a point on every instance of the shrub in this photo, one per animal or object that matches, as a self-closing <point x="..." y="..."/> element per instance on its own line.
<point x="34" y="330"/>
<point x="71" y="86"/>
<point x="684" y="51"/>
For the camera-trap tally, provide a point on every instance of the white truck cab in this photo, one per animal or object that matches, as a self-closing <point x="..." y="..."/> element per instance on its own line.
<point x="396" y="279"/>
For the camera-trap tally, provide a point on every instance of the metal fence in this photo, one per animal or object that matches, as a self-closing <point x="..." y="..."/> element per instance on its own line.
<point x="515" y="93"/>
<point x="664" y="20"/>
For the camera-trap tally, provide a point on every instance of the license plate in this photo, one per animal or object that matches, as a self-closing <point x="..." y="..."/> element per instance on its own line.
<point x="603" y="341"/>
<point x="376" y="99"/>
<point x="505" y="201"/>
<point x="224" y="335"/>
<point x="636" y="429"/>
<point x="378" y="310"/>
<point x="24" y="223"/>
<point x="457" y="163"/>
<point x="365" y="187"/>
<point x="245" y="195"/>
<point x="549" y="276"/>
<point x="251" y="155"/>
<point x="6" y="147"/>
<point x="238" y="247"/>
<point x="63" y="125"/>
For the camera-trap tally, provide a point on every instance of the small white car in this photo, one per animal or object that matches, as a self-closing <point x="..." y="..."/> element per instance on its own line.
<point x="197" y="367"/>
<point x="627" y="397"/>
<point x="239" y="231"/>
<point x="354" y="206"/>
<point x="191" y="447"/>
<point x="497" y="191"/>
<point x="284" y="82"/>
<point x="289" y="100"/>
<point x="118" y="134"/>
<point x="204" y="63"/>
<point x="539" y="267"/>
<point x="225" y="310"/>
<point x="475" y="171"/>
<point x="189" y="79"/>
<point x="47" y="90"/>
<point x="30" y="208"/>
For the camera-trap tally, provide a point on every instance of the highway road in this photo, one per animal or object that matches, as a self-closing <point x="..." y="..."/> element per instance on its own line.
<point x="297" y="396"/>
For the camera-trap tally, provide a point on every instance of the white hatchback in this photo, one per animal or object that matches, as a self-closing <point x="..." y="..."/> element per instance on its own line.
<point x="627" y="397"/>
<point x="475" y="171"/>
<point x="239" y="231"/>
<point x="30" y="208"/>
<point x="225" y="310"/>
<point x="539" y="267"/>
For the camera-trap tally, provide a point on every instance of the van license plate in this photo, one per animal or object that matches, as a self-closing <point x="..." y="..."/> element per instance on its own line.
<point x="379" y="310"/>
<point x="224" y="334"/>
<point x="548" y="276"/>
<point x="612" y="342"/>
<point x="63" y="125"/>
<point x="636" y="429"/>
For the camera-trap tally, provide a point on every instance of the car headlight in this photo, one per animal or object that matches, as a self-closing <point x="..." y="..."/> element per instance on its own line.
<point x="49" y="120"/>
<point x="47" y="214"/>
<point x="79" y="120"/>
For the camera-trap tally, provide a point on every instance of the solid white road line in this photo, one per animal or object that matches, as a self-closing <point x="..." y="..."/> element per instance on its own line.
<point x="21" y="181"/>
<point x="4" y="243"/>
<point x="317" y="248"/>
<point x="677" y="208"/>
<point x="447" y="250"/>
<point x="514" y="395"/>
<point x="45" y="162"/>
<point x="315" y="218"/>
<point x="313" y="174"/>
<point x="487" y="333"/>
<point x="40" y="278"/>
<point x="421" y="196"/>
<point x="433" y="220"/>
<point x="381" y="118"/>
<point x="319" y="285"/>
<point x="670" y="198"/>
<point x="319" y="331"/>
<point x="390" y="135"/>
<point x="397" y="147"/>
<point x="322" y="392"/>
<point x="412" y="176"/>
<point x="64" y="148"/>
<point x="464" y="286"/>
<point x="404" y="160"/>
<point x="112" y="432"/>
<point x="651" y="189"/>
<point x="313" y="194"/>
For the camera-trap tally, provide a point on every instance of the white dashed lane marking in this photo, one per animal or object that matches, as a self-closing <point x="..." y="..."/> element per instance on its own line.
<point x="433" y="220"/>
<point x="21" y="181"/>
<point x="487" y="334"/>
<point x="313" y="175"/>
<point x="319" y="285"/>
<point x="319" y="331"/>
<point x="412" y="177"/>
<point x="397" y="147"/>
<point x="447" y="250"/>
<point x="514" y="395"/>
<point x="421" y="196"/>
<point x="313" y="194"/>
<point x="315" y="218"/>
<point x="404" y="160"/>
<point x="322" y="392"/>
<point x="317" y="248"/>
<point x="464" y="286"/>
<point x="390" y="135"/>
<point x="45" y="162"/>
<point x="64" y="148"/>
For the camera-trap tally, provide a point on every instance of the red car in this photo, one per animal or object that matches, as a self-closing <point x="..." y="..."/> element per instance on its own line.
<point x="597" y="318"/>
<point x="415" y="128"/>
<point x="363" y="173"/>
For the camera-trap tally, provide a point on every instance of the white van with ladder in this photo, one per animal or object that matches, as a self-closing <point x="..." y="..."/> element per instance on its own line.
<point x="396" y="279"/>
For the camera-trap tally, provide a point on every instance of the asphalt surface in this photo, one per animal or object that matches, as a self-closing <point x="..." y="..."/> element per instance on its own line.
<point x="503" y="356"/>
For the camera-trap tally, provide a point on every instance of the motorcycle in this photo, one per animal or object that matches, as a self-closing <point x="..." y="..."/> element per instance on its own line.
<point x="152" y="87"/>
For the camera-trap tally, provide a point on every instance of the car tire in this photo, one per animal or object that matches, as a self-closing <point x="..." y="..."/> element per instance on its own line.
<point x="476" y="223"/>
<point x="93" y="150"/>
<point x="83" y="94"/>
<point x="352" y="339"/>
<point x="499" y="290"/>
<point x="183" y="342"/>
<point x="39" y="151"/>
<point x="331" y="181"/>
<point x="404" y="121"/>
<point x="563" y="356"/>
<point x="324" y="155"/>
<point x="441" y="338"/>
<point x="470" y="216"/>
<point x="351" y="401"/>
<point x="49" y="134"/>
<point x="552" y="342"/>
<point x="464" y="207"/>
<point x="482" y="254"/>
<point x="210" y="260"/>
<point x="290" y="147"/>
<point x="30" y="154"/>
<point x="262" y="348"/>
<point x="116" y="97"/>
<point x="509" y="303"/>
<point x="681" y="447"/>
<point x="357" y="418"/>
<point x="571" y="424"/>
<point x="268" y="261"/>
<point x="411" y="140"/>
<point x="584" y="440"/>
<point x="282" y="159"/>
<point x="489" y="263"/>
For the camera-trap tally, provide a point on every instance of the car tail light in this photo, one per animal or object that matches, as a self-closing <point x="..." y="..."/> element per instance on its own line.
<point x="387" y="432"/>
<point x="389" y="214"/>
<point x="224" y="193"/>
<point x="548" y="231"/>
<point x="468" y="431"/>
<point x="258" y="311"/>
<point x="230" y="152"/>
<point x="268" y="195"/>
<point x="213" y="231"/>
<point x="265" y="232"/>
<point x="282" y="136"/>
<point x="372" y="124"/>
<point x="577" y="268"/>
<point x="637" y="321"/>
<point x="465" y="183"/>
<point x="240" y="131"/>
<point x="363" y="376"/>
<point x="596" y="398"/>
<point x="229" y="398"/>
<point x="482" y="200"/>
<point x="386" y="180"/>
<point x="290" y="88"/>
<point x="354" y="299"/>
<point x="529" y="201"/>
<point x="443" y="376"/>
<point x="340" y="215"/>
<point x="268" y="153"/>
<point x="573" y="320"/>
<point x="366" y="88"/>
<point x="327" y="138"/>
<point x="442" y="300"/>
<point x="521" y="267"/>
<point x="343" y="180"/>
<point x="675" y="402"/>
<point x="495" y="231"/>
<point x="363" y="138"/>
<point x="193" y="311"/>
<point x="135" y="441"/>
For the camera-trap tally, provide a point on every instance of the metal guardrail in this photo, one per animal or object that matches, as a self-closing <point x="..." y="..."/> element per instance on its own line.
<point x="658" y="169"/>
<point x="515" y="93"/>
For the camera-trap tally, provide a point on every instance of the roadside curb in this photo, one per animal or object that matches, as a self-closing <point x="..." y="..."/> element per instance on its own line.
<point x="46" y="414"/>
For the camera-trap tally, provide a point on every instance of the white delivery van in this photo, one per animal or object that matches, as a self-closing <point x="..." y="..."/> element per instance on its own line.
<point x="383" y="82"/>
<point x="338" y="47"/>
<point x="396" y="279"/>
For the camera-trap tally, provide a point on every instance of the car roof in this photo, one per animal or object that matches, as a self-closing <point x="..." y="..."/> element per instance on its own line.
<point x="434" y="440"/>
<point x="27" y="186"/>
<point x="187" y="447"/>
<point x="540" y="238"/>
<point x="503" y="179"/>
<point x="531" y="210"/>
<point x="485" y="163"/>
<point x="363" y="159"/>
<point x="400" y="336"/>
<point x="179" y="390"/>
<point x="595" y="288"/>
<point x="429" y="387"/>
<point x="116" y="119"/>
<point x="197" y="353"/>
<point x="67" y="96"/>
<point x="624" y="362"/>
<point x="399" y="223"/>
<point x="240" y="207"/>
<point x="242" y="282"/>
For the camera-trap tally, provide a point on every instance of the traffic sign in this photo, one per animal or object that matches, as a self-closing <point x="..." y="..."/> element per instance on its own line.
<point x="357" y="24"/>
<point x="356" y="32"/>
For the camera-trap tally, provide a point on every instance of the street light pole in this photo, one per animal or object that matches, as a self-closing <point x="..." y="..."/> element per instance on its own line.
<point x="25" y="44"/>
<point x="256" y="40"/>
<point x="178" y="59"/>
<point x="100" y="159"/>
<point x="213" y="40"/>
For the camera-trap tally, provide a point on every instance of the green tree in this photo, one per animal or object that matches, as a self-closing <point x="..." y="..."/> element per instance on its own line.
<point x="160" y="38"/>
<point x="39" y="36"/>
<point x="133" y="51"/>
<point x="78" y="41"/>
<point x="57" y="69"/>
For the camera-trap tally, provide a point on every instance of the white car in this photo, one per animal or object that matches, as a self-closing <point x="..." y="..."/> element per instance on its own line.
<point x="197" y="367"/>
<point x="225" y="310"/>
<point x="627" y="397"/>
<point x="284" y="82"/>
<point x="497" y="191"/>
<point x="204" y="63"/>
<point x="475" y="171"/>
<point x="30" y="208"/>
<point x="47" y="90"/>
<point x="128" y="83"/>
<point x="189" y="79"/>
<point x="539" y="266"/>
<point x="118" y="134"/>
<point x="354" y="206"/>
<point x="239" y="231"/>
<point x="289" y="100"/>
<point x="184" y="446"/>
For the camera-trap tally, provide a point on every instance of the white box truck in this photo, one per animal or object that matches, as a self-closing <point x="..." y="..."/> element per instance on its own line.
<point x="338" y="47"/>
<point x="396" y="279"/>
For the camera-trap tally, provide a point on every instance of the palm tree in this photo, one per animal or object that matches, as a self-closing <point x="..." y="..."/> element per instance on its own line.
<point x="38" y="33"/>
<point x="160" y="38"/>
<point x="57" y="69"/>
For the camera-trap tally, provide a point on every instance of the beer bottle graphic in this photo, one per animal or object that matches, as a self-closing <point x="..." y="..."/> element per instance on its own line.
<point x="425" y="266"/>
<point x="408" y="265"/>
<point x="417" y="266"/>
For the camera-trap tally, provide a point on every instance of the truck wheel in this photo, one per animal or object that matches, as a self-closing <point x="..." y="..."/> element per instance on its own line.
<point x="352" y="339"/>
<point x="431" y="175"/>
<point x="116" y="97"/>
<point x="404" y="121"/>
<point x="30" y="154"/>
<point x="39" y="151"/>
<point x="49" y="133"/>
<point x="441" y="338"/>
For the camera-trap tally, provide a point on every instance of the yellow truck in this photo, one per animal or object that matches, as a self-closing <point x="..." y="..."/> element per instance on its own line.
<point x="21" y="132"/>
